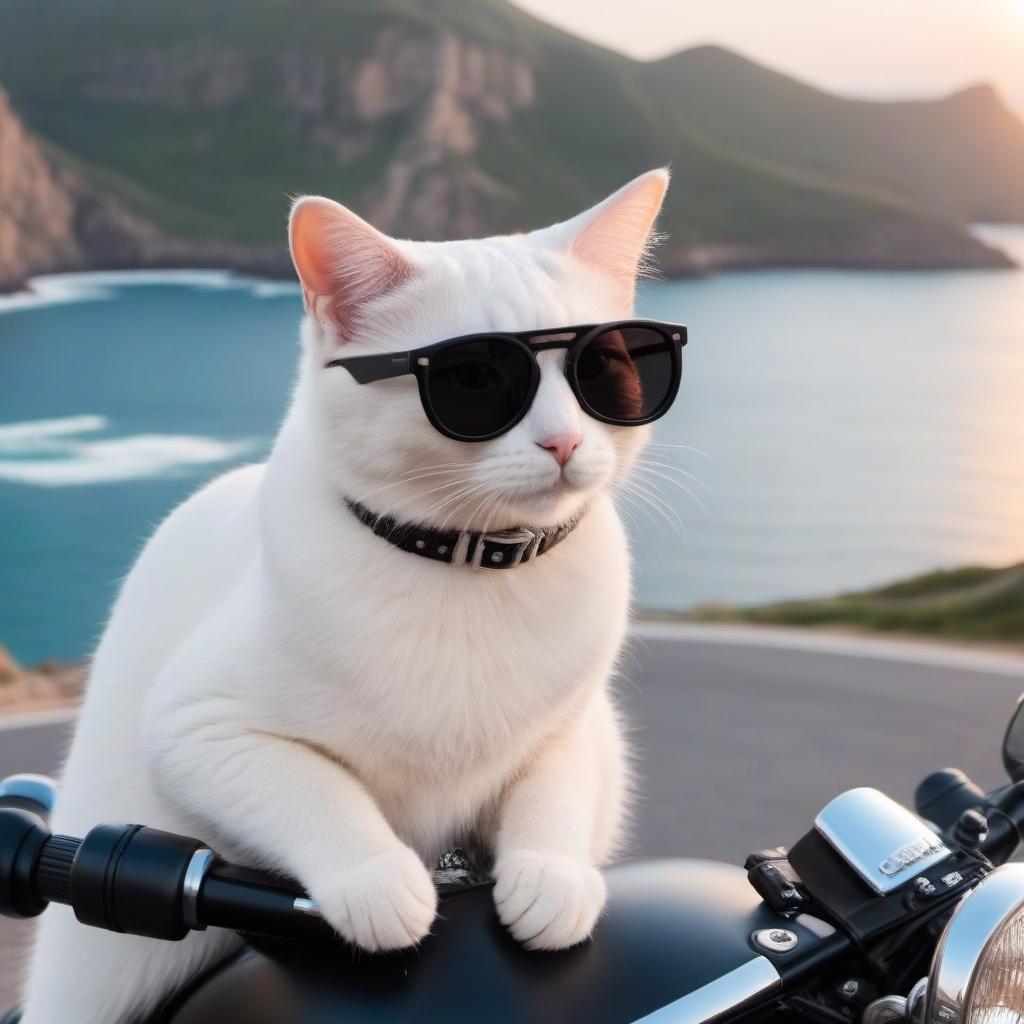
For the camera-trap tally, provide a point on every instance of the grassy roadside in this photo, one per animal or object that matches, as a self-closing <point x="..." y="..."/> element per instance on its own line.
<point x="973" y="603"/>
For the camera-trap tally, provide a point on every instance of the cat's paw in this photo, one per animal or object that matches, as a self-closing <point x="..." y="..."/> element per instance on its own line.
<point x="547" y="901"/>
<point x="385" y="903"/>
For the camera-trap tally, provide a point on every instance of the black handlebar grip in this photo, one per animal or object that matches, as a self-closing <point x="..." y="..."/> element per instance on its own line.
<point x="22" y="835"/>
<point x="25" y="805"/>
<point x="128" y="878"/>
<point x="53" y="869"/>
<point x="944" y="795"/>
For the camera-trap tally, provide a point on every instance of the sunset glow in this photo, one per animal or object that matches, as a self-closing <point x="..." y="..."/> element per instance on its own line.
<point x="914" y="48"/>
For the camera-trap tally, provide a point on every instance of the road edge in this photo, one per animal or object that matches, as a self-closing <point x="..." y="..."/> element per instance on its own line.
<point x="31" y="719"/>
<point x="921" y="652"/>
<point x="788" y="638"/>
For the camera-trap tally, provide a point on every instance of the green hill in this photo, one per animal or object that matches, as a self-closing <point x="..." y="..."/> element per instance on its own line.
<point x="970" y="603"/>
<point x="446" y="119"/>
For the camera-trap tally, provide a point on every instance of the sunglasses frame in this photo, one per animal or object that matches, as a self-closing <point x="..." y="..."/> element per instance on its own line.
<point x="370" y="368"/>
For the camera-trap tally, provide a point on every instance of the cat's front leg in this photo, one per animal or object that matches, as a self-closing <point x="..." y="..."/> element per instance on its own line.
<point x="283" y="804"/>
<point x="559" y="820"/>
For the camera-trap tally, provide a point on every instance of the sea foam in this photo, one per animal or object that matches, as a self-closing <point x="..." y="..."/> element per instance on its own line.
<point x="70" y="460"/>
<point x="93" y="286"/>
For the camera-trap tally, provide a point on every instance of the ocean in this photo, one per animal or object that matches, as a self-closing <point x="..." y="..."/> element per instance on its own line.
<point x="835" y="430"/>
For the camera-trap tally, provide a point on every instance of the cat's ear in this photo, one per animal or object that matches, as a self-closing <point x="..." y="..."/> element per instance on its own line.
<point x="614" y="235"/>
<point x="342" y="262"/>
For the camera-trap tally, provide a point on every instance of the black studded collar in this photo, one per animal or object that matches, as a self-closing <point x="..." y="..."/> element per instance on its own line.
<point x="503" y="549"/>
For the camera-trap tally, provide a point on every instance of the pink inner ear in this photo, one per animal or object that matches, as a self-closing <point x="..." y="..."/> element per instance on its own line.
<point x="363" y="277"/>
<point x="342" y="262"/>
<point x="615" y="237"/>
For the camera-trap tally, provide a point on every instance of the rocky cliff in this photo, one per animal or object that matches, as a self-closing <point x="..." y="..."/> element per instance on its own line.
<point x="50" y="219"/>
<point x="443" y="92"/>
<point x="53" y="219"/>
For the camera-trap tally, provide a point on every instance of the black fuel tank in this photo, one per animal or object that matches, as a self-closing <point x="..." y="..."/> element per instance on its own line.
<point x="671" y="927"/>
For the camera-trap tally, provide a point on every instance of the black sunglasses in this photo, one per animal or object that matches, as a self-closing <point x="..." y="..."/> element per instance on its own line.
<point x="479" y="386"/>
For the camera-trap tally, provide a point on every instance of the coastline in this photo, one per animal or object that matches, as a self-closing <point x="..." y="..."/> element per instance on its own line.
<point x="273" y="264"/>
<point x="977" y="605"/>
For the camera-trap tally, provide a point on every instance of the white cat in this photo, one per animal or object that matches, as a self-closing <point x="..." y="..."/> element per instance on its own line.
<point x="303" y="695"/>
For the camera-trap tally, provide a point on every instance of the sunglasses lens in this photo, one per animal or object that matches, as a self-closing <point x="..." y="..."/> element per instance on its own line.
<point x="479" y="387"/>
<point x="627" y="373"/>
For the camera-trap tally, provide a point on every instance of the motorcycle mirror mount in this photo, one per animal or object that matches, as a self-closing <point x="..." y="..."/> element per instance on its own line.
<point x="1013" y="744"/>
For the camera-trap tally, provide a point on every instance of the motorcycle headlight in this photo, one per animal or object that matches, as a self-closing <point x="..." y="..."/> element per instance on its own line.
<point x="977" y="975"/>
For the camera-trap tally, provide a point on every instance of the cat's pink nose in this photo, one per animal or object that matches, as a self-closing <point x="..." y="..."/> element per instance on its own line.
<point x="561" y="446"/>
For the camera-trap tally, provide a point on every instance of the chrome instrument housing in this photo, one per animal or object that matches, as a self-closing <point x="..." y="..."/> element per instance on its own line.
<point x="886" y="844"/>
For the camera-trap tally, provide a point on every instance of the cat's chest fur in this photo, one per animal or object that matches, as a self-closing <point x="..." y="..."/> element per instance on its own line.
<point x="420" y="672"/>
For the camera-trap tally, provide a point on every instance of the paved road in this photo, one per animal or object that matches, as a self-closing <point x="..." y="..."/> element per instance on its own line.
<point x="742" y="736"/>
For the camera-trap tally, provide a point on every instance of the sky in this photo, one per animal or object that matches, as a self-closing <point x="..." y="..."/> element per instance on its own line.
<point x="869" y="48"/>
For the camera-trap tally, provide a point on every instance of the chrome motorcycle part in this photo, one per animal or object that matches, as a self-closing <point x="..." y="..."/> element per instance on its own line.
<point x="915" y="1002"/>
<point x="304" y="905"/>
<point x="885" y="844"/>
<point x="192" y="884"/>
<point x="903" y="1009"/>
<point x="776" y="940"/>
<point x="726" y="995"/>
<point x="887" y="1010"/>
<point x="977" y="974"/>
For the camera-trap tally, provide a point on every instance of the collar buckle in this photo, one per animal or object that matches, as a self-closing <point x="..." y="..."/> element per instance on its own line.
<point x="505" y="549"/>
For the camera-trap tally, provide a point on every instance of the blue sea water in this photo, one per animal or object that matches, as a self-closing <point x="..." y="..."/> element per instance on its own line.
<point x="835" y="430"/>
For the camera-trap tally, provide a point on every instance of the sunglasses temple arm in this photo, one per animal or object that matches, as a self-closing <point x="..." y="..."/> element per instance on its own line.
<point x="366" y="369"/>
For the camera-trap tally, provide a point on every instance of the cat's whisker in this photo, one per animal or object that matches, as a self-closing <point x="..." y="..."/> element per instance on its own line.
<point x="646" y="508"/>
<point x="457" y="500"/>
<point x="488" y="502"/>
<point x="624" y="491"/>
<point x="394" y="507"/>
<point x="500" y="503"/>
<point x="687" y="448"/>
<point x="429" y="471"/>
<point x="670" y="467"/>
<point x="653" y="498"/>
<point x="672" y="517"/>
<point x="675" y="483"/>
<point x="466" y="499"/>
<point x="625" y="510"/>
<point x="461" y="488"/>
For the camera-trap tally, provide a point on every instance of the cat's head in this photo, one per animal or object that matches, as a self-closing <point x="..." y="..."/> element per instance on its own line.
<point x="366" y="293"/>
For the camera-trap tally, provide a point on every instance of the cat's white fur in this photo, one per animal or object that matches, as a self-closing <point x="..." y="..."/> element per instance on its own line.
<point x="302" y="695"/>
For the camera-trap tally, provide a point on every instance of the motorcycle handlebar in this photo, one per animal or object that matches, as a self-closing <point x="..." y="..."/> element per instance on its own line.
<point x="141" y="881"/>
<point x="946" y="797"/>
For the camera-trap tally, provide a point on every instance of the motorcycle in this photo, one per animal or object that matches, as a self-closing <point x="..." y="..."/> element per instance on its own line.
<point x="876" y="915"/>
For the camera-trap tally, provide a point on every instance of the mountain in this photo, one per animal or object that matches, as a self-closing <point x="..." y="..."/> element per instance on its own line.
<point x="441" y="118"/>
<point x="961" y="156"/>
<point x="50" y="218"/>
<point x="53" y="218"/>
